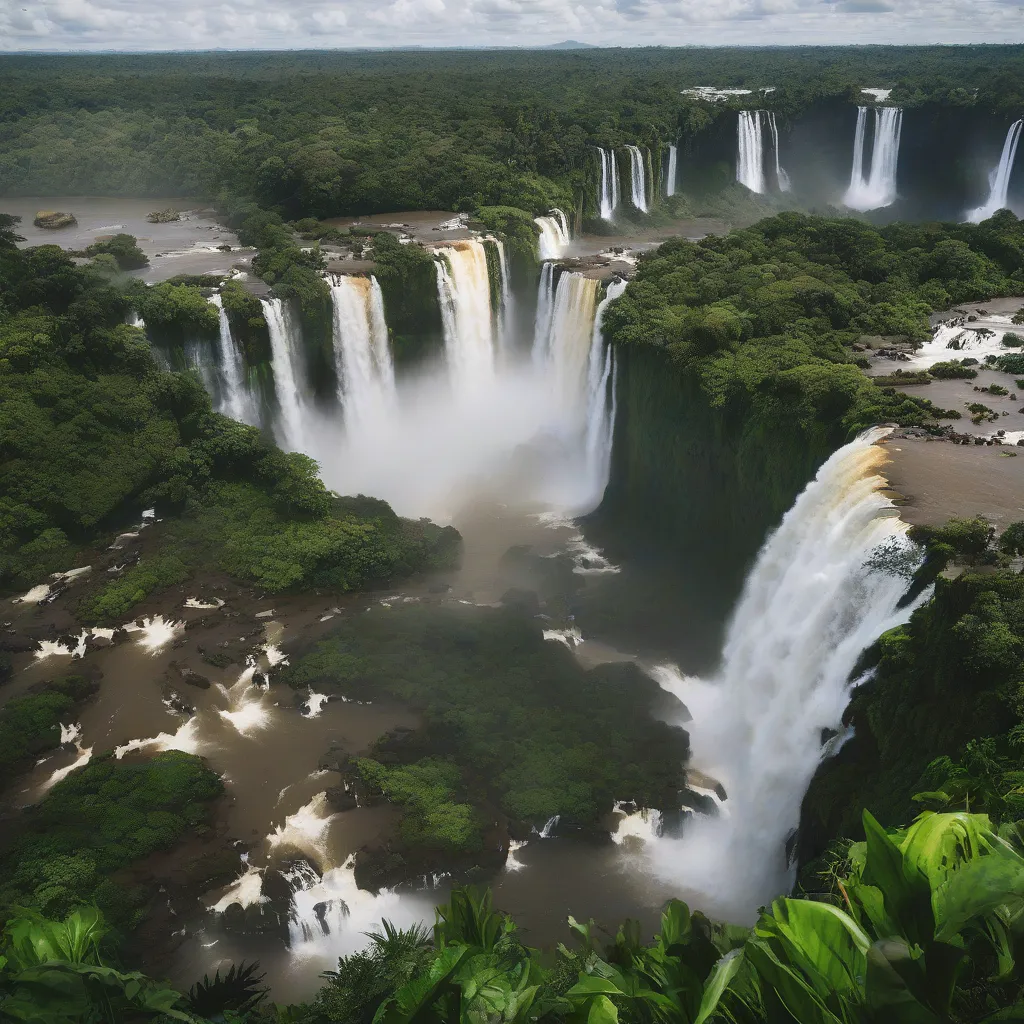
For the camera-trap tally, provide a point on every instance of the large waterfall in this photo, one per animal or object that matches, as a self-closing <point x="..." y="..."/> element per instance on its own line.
<point x="825" y="586"/>
<point x="362" y="351"/>
<point x="999" y="179"/>
<point x="875" y="187"/>
<point x="286" y="362"/>
<point x="638" y="178"/>
<point x="608" y="199"/>
<point x="671" y="170"/>
<point x="554" y="235"/>
<point x="464" y="290"/>
<point x="750" y="151"/>
<point x="236" y="400"/>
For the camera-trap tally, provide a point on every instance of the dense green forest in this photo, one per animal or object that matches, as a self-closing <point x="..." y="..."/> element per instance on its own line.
<point x="347" y="132"/>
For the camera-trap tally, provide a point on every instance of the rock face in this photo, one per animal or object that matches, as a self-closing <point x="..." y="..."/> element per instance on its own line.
<point x="163" y="216"/>
<point x="54" y="219"/>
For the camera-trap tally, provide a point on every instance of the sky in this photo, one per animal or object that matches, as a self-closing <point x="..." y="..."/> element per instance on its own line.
<point x="289" y="24"/>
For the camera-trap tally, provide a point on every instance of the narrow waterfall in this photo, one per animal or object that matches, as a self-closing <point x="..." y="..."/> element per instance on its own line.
<point x="999" y="178"/>
<point x="199" y="357"/>
<point x="750" y="151"/>
<point x="601" y="403"/>
<point x="236" y="400"/>
<point x="506" y="315"/>
<point x="875" y="188"/>
<point x="464" y="290"/>
<point x="283" y="360"/>
<point x="825" y="586"/>
<point x="362" y="351"/>
<point x="545" y="309"/>
<point x="780" y="175"/>
<point x="554" y="235"/>
<point x="638" y="178"/>
<point x="608" y="199"/>
<point x="670" y="173"/>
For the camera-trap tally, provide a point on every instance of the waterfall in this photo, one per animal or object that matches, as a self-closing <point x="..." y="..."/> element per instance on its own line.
<point x="506" y="315"/>
<point x="283" y="358"/>
<point x="750" y="150"/>
<point x="877" y="187"/>
<point x="601" y="373"/>
<point x="638" y="177"/>
<point x="780" y="175"/>
<point x="545" y="308"/>
<point x="818" y="595"/>
<point x="199" y="358"/>
<point x="235" y="399"/>
<point x="362" y="351"/>
<point x="999" y="178"/>
<point x="564" y="350"/>
<point x="464" y="290"/>
<point x="670" y="174"/>
<point x="554" y="235"/>
<point x="608" y="199"/>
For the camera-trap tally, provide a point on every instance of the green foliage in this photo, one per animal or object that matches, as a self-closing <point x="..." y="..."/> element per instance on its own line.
<point x="237" y="992"/>
<point x="125" y="250"/>
<point x="177" y="310"/>
<point x="514" y="225"/>
<point x="30" y="725"/>
<point x="1012" y="362"/>
<point x="765" y="317"/>
<point x="952" y="370"/>
<point x="510" y="718"/>
<point x="94" y="822"/>
<point x="1012" y="340"/>
<point x="134" y="585"/>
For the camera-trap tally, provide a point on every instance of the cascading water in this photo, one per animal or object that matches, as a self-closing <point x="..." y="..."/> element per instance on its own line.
<point x="554" y="235"/>
<point x="638" y="178"/>
<point x="999" y="179"/>
<point x="236" y="400"/>
<point x="362" y="351"/>
<point x="283" y="358"/>
<point x="671" y="171"/>
<point x="875" y="188"/>
<point x="601" y="381"/>
<point x="464" y="291"/>
<point x="506" y="315"/>
<point x="780" y="175"/>
<point x="545" y="308"/>
<point x="750" y="151"/>
<point x="608" y="199"/>
<point x="817" y="597"/>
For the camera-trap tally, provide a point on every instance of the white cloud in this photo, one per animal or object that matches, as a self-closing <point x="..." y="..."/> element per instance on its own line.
<point x="267" y="24"/>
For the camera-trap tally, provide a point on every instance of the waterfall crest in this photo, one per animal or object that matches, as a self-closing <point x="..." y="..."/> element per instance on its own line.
<point x="235" y="401"/>
<point x="554" y="235"/>
<point x="999" y="178"/>
<point x="362" y="350"/>
<point x="608" y="198"/>
<point x="638" y="178"/>
<point x="816" y="598"/>
<point x="285" y="361"/>
<point x="749" y="151"/>
<point x="875" y="188"/>
<point x="670" y="173"/>
<point x="464" y="290"/>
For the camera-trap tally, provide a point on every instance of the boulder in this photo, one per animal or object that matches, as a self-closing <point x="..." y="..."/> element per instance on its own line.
<point x="54" y="219"/>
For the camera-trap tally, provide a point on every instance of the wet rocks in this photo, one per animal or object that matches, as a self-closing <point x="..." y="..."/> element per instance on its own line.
<point x="188" y="676"/>
<point x="53" y="220"/>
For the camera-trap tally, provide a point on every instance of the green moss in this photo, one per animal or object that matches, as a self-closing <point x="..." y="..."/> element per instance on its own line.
<point x="118" y="597"/>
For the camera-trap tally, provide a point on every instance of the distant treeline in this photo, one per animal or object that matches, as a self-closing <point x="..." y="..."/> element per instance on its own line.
<point x="327" y="133"/>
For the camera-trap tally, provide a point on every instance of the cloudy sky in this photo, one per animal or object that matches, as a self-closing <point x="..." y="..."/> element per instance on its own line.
<point x="284" y="24"/>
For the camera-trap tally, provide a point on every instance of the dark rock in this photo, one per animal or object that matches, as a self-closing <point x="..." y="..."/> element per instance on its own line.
<point x="525" y="601"/>
<point x="17" y="644"/>
<point x="341" y="799"/>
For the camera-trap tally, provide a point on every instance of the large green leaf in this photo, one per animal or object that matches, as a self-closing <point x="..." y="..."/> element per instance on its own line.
<point x="936" y="844"/>
<point x="413" y="1001"/>
<point x="724" y="972"/>
<point x="888" y="967"/>
<point x="784" y="991"/>
<point x="978" y="888"/>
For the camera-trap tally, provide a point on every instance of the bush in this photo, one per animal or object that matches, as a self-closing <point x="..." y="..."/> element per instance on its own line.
<point x="1012" y="340"/>
<point x="124" y="249"/>
<point x="118" y="597"/>
<point x="952" y="370"/>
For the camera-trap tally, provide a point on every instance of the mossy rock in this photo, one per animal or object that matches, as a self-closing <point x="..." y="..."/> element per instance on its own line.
<point x="163" y="216"/>
<point x="53" y="219"/>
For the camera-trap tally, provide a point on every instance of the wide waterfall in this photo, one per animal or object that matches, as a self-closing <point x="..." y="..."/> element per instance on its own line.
<point x="286" y="362"/>
<point x="781" y="177"/>
<point x="750" y="151"/>
<point x="825" y="586"/>
<point x="608" y="198"/>
<point x="554" y="235"/>
<point x="235" y="398"/>
<point x="638" y="178"/>
<point x="876" y="187"/>
<point x="671" y="171"/>
<point x="999" y="179"/>
<point x="464" y="290"/>
<point x="362" y="351"/>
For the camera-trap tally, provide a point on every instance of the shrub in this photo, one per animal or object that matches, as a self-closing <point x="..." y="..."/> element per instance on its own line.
<point x="124" y="249"/>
